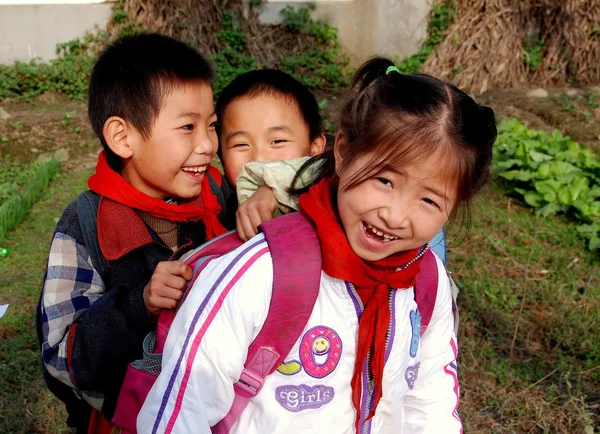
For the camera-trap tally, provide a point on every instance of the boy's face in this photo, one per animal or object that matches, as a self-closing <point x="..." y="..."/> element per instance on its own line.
<point x="263" y="128"/>
<point x="172" y="162"/>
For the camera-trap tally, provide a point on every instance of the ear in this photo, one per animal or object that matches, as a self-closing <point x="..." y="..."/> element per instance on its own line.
<point x="318" y="145"/>
<point x="117" y="133"/>
<point x="339" y="150"/>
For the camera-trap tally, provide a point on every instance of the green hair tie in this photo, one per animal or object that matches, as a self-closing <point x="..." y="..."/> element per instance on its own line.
<point x="390" y="69"/>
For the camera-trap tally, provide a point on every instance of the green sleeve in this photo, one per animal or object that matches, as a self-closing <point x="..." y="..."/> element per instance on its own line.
<point x="276" y="174"/>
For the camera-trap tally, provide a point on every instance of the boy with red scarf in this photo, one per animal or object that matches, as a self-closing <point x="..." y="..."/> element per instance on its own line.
<point x="151" y="106"/>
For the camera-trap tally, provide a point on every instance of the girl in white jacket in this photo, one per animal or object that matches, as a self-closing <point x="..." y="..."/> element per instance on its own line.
<point x="411" y="153"/>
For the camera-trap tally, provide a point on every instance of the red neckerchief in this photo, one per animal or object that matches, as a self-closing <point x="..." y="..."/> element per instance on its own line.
<point x="372" y="281"/>
<point x="109" y="184"/>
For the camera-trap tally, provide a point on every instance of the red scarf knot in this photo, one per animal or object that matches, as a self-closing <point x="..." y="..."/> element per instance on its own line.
<point x="108" y="183"/>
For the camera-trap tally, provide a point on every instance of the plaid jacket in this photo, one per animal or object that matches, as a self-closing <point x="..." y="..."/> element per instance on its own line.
<point x="89" y="329"/>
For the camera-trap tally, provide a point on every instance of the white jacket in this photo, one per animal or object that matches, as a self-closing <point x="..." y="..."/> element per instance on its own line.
<point x="226" y="308"/>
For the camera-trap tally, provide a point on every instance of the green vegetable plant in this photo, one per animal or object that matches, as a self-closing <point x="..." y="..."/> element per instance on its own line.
<point x="21" y="187"/>
<point x="552" y="173"/>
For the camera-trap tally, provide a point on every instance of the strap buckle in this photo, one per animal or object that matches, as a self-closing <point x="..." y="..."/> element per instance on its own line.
<point x="250" y="382"/>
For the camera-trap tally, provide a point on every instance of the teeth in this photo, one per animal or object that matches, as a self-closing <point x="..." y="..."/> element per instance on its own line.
<point x="386" y="237"/>
<point x="196" y="169"/>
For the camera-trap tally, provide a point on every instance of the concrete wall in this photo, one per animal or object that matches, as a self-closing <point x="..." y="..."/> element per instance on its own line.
<point x="393" y="28"/>
<point x="31" y="31"/>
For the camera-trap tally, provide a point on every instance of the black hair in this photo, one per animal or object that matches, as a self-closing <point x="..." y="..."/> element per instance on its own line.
<point x="400" y="117"/>
<point x="132" y="77"/>
<point x="272" y="82"/>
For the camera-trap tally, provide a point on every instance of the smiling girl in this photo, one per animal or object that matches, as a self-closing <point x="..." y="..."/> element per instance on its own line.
<point x="411" y="153"/>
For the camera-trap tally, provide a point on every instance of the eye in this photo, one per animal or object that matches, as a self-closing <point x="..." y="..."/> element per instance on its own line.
<point x="430" y="202"/>
<point x="188" y="127"/>
<point x="384" y="181"/>
<point x="212" y="125"/>
<point x="239" y="145"/>
<point x="278" y="141"/>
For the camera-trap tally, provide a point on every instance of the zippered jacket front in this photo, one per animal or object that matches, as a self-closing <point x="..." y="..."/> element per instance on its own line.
<point x="310" y="392"/>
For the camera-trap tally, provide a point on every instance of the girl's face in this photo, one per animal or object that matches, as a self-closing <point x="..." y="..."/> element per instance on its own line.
<point x="396" y="209"/>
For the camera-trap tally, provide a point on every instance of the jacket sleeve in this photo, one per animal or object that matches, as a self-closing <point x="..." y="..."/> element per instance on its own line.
<point x="276" y="174"/>
<point x="88" y="334"/>
<point x="431" y="407"/>
<point x="208" y="342"/>
<point x="71" y="286"/>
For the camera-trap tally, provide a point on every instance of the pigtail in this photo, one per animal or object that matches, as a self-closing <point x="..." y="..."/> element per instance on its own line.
<point x="370" y="71"/>
<point x="363" y="95"/>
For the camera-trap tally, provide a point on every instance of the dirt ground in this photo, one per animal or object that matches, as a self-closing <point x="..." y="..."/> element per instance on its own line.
<point x="44" y="126"/>
<point x="576" y="112"/>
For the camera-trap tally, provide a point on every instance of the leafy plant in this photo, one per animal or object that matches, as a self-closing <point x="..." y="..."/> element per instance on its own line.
<point x="232" y="34"/>
<point x="533" y="55"/>
<point x="298" y="20"/>
<point x="552" y="173"/>
<point x="566" y="104"/>
<point x="318" y="68"/>
<point x="322" y="65"/>
<point x="21" y="187"/>
<point x="17" y="125"/>
<point x="67" y="74"/>
<point x="443" y="15"/>
<point x="228" y="65"/>
<point x="592" y="99"/>
<point x="66" y="120"/>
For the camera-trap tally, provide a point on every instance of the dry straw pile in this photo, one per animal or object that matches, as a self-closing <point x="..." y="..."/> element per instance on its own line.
<point x="484" y="48"/>
<point x="199" y="22"/>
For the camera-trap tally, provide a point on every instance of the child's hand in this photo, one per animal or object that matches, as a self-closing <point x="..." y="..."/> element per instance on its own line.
<point x="257" y="209"/>
<point x="166" y="286"/>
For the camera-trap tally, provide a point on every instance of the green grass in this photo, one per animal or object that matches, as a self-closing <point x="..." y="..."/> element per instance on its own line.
<point x="20" y="188"/>
<point x="530" y="310"/>
<point x="27" y="406"/>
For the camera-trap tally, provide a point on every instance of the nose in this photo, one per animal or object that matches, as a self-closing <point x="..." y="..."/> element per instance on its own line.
<point x="259" y="154"/>
<point x="205" y="142"/>
<point x="396" y="215"/>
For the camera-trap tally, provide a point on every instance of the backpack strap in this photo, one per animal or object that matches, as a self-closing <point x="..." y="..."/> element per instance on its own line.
<point x="216" y="189"/>
<point x="426" y="288"/>
<point x="87" y="213"/>
<point x="297" y="265"/>
<point x="197" y="259"/>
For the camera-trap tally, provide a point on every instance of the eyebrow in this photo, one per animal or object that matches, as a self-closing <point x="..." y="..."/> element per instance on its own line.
<point x="236" y="133"/>
<point x="192" y="115"/>
<point x="283" y="128"/>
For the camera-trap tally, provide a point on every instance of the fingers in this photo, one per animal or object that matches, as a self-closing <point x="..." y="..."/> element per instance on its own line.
<point x="157" y="303"/>
<point x="244" y="226"/>
<point x="166" y="286"/>
<point x="264" y="214"/>
<point x="254" y="216"/>
<point x="174" y="268"/>
<point x="256" y="210"/>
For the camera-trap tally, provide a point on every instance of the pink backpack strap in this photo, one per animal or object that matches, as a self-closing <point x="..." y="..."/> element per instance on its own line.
<point x="426" y="288"/>
<point x="297" y="264"/>
<point x="198" y="259"/>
